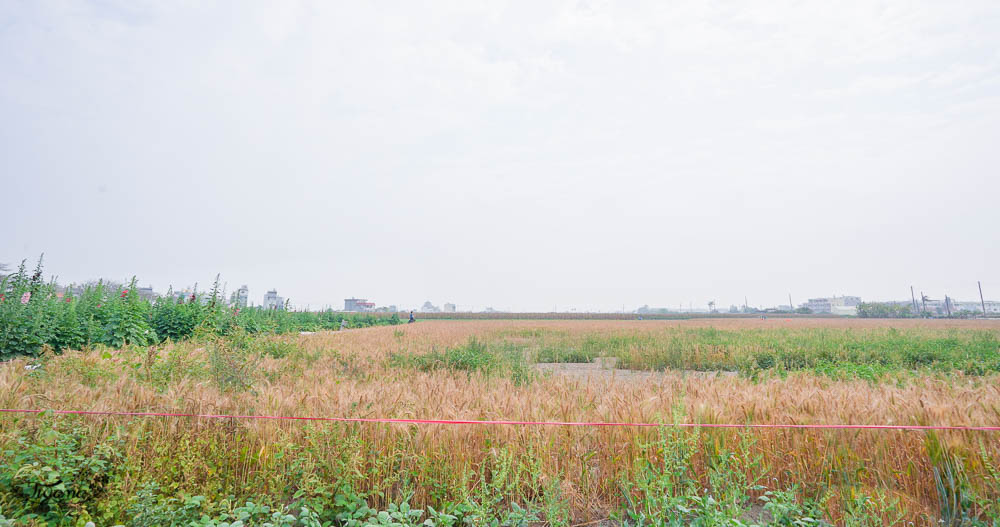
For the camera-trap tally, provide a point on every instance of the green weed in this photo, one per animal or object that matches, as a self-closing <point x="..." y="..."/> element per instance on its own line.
<point x="476" y="356"/>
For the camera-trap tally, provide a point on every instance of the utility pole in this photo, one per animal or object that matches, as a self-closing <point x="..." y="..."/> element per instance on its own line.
<point x="981" y="301"/>
<point x="791" y="306"/>
<point x="923" y="301"/>
<point x="947" y="304"/>
<point x="914" y="299"/>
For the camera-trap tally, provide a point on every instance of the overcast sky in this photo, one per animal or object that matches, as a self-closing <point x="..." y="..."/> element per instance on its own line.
<point x="523" y="156"/>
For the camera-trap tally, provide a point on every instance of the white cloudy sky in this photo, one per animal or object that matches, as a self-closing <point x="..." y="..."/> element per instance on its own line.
<point x="518" y="155"/>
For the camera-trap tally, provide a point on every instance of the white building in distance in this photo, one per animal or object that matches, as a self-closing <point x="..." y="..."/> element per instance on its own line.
<point x="836" y="305"/>
<point x="273" y="301"/>
<point x="449" y="307"/>
<point x="358" y="304"/>
<point x="146" y="293"/>
<point x="950" y="305"/>
<point x="992" y="306"/>
<point x="241" y="297"/>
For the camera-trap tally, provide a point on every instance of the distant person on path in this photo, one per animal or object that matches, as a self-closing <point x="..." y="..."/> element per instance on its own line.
<point x="411" y="318"/>
<point x="343" y="324"/>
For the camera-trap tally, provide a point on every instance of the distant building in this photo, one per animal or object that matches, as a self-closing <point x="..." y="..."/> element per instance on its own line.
<point x="146" y="293"/>
<point x="836" y="305"/>
<point x="240" y="297"/>
<point x="449" y="308"/>
<point x="992" y="306"/>
<point x="183" y="295"/>
<point x="358" y="304"/>
<point x="273" y="301"/>
<point x="943" y="307"/>
<point x="74" y="290"/>
<point x="932" y="306"/>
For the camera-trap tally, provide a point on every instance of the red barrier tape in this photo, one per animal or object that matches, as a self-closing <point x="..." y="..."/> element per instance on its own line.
<point x="516" y="423"/>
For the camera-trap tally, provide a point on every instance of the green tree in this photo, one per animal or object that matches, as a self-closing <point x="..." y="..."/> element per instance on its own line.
<point x="883" y="310"/>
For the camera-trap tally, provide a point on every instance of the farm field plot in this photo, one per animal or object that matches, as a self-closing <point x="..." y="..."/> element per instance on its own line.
<point x="161" y="471"/>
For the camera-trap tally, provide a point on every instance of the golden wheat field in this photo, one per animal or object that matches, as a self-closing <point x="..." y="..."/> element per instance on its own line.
<point x="367" y="373"/>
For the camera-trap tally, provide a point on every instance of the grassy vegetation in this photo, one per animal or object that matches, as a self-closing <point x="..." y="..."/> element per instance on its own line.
<point x="63" y="470"/>
<point x="838" y="353"/>
<point x="475" y="356"/>
<point x="54" y="473"/>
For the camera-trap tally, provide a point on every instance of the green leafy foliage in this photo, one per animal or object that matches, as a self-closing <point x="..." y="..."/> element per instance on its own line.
<point x="476" y="356"/>
<point x="149" y="508"/>
<point x="24" y="322"/>
<point x="666" y="490"/>
<point x="52" y="476"/>
<point x="785" y="509"/>
<point x="883" y="310"/>
<point x="128" y="320"/>
<point x="35" y="313"/>
<point x="174" y="319"/>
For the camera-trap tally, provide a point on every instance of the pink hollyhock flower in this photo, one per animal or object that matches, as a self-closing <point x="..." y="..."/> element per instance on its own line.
<point x="68" y="299"/>
<point x="125" y="292"/>
<point x="26" y="297"/>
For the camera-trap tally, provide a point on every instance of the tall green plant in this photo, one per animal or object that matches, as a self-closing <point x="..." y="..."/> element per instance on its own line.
<point x="26" y="313"/>
<point x="33" y="315"/>
<point x="128" y="319"/>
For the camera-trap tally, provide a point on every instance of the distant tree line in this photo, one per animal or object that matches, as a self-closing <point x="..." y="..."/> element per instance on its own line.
<point x="884" y="310"/>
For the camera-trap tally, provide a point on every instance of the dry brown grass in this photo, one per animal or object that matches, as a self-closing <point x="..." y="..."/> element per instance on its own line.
<point x="356" y="382"/>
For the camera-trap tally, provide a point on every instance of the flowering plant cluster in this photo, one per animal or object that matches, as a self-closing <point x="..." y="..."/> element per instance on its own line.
<point x="35" y="313"/>
<point x="44" y="315"/>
